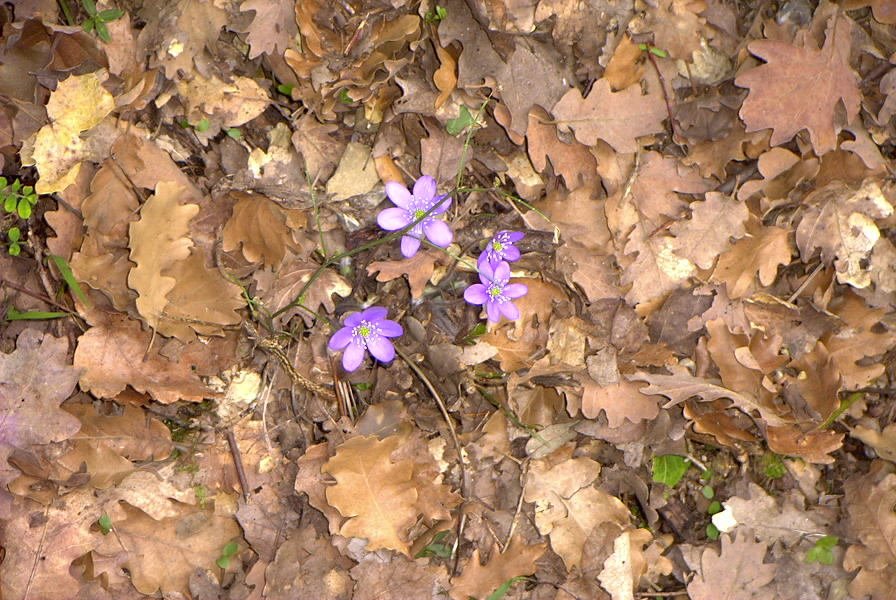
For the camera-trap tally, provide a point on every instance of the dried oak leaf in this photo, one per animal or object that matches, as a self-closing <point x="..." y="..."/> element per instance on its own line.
<point x="308" y="566"/>
<point x="42" y="542"/>
<point x="34" y="380"/>
<point x="114" y="356"/>
<point x="714" y="221"/>
<point x="618" y="118"/>
<point x="164" y="553"/>
<point x="817" y="380"/>
<point x="761" y="514"/>
<point x="842" y="222"/>
<point x="623" y="569"/>
<point x="158" y="240"/>
<point x="377" y="496"/>
<point x="202" y="300"/>
<point x="398" y="578"/>
<point x="176" y="32"/>
<point x="737" y="573"/>
<point x="760" y="252"/>
<point x="277" y="289"/>
<point x="571" y="160"/>
<point x="858" y="339"/>
<point x="622" y="401"/>
<point x="797" y="77"/>
<point x="78" y="104"/>
<point x="813" y="446"/>
<point x="419" y="270"/>
<point x="869" y="501"/>
<point x="478" y="580"/>
<point x="273" y="28"/>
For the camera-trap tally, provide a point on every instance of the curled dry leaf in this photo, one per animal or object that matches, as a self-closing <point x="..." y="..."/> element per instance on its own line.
<point x="869" y="501"/>
<point x="478" y="580"/>
<point x="259" y="225"/>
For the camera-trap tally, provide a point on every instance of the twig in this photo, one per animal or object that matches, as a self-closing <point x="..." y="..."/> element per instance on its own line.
<point x="524" y="476"/>
<point x="238" y="463"/>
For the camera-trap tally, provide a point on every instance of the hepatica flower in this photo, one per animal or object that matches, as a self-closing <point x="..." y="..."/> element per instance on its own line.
<point x="368" y="330"/>
<point x="496" y="292"/>
<point x="410" y="207"/>
<point x="501" y="248"/>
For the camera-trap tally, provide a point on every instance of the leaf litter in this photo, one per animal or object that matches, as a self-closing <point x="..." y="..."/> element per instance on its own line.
<point x="689" y="203"/>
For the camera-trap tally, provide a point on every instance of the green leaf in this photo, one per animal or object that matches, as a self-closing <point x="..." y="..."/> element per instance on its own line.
<point x="441" y="12"/>
<point x="3" y="182"/>
<point x="32" y="315"/>
<point x="344" y="97"/>
<point x="714" y="508"/>
<point x="105" y="523"/>
<point x="227" y="553"/>
<point x="16" y="186"/>
<point x="285" y="89"/>
<point x="14" y="234"/>
<point x="463" y="120"/>
<point x="27" y="190"/>
<point x="773" y="466"/>
<point x="203" y="125"/>
<point x="708" y="492"/>
<point x="88" y="25"/>
<point x="235" y="133"/>
<point x="14" y="249"/>
<point x="9" y="204"/>
<point x="712" y="532"/>
<point x="504" y="588"/>
<point x="436" y="547"/>
<point x="89" y="7"/>
<point x="669" y="469"/>
<point x="66" y="271"/>
<point x="102" y="31"/>
<point x="110" y="14"/>
<point x="478" y="330"/>
<point x="24" y="210"/>
<point x="823" y="550"/>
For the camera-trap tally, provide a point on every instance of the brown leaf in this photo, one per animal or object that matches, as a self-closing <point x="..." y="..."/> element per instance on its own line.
<point x="858" y="339"/>
<point x="618" y="118"/>
<point x="479" y="580"/>
<point x="772" y="521"/>
<point x="273" y="27"/>
<point x="623" y="569"/>
<point x="157" y="241"/>
<point x="398" y="578"/>
<point x="308" y="566"/>
<point x="869" y="501"/>
<point x="260" y="226"/>
<point x="737" y="573"/>
<point x="620" y="401"/>
<point x="419" y="270"/>
<point x="823" y="78"/>
<point x="625" y="67"/>
<point x="571" y="160"/>
<point x="714" y="221"/>
<point x="114" y="357"/>
<point x="818" y="380"/>
<point x="812" y="446"/>
<point x="377" y="496"/>
<point x="277" y="289"/>
<point x="760" y="252"/>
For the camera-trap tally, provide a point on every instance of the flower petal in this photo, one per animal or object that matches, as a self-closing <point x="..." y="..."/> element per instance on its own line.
<point x="398" y="194"/>
<point x="502" y="272"/>
<point x="486" y="270"/>
<point x="425" y="190"/>
<point x="514" y="236"/>
<point x="476" y="294"/>
<point x="509" y="310"/>
<point x="511" y="253"/>
<point x="391" y="219"/>
<point x="390" y="329"/>
<point x="352" y="357"/>
<point x="442" y="203"/>
<point x="438" y="232"/>
<point x="381" y="348"/>
<point x="353" y="320"/>
<point x="516" y="290"/>
<point x="409" y="246"/>
<point x="374" y="313"/>
<point x="340" y="339"/>
<point x="491" y="309"/>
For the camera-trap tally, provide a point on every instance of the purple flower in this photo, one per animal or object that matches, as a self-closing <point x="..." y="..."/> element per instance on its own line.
<point x="366" y="330"/>
<point x="495" y="293"/>
<point x="412" y="207"/>
<point x="501" y="248"/>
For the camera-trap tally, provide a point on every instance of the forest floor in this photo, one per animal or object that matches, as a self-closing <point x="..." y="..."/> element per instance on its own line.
<point x="645" y="348"/>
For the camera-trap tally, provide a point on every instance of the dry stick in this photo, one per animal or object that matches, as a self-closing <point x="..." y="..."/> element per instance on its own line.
<point x="238" y="463"/>
<point x="805" y="283"/>
<point x="37" y="296"/>
<point x="460" y="451"/>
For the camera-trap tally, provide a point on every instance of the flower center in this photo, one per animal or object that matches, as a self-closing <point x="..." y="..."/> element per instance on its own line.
<point x="497" y="246"/>
<point x="418" y="214"/>
<point x="494" y="291"/>
<point x="363" y="330"/>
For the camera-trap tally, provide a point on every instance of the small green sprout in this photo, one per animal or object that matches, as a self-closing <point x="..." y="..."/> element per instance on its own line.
<point x="773" y="466"/>
<point x="234" y="132"/>
<point x="436" y="15"/>
<point x="97" y="20"/>
<point x="17" y="199"/>
<point x="105" y="523"/>
<point x="285" y="89"/>
<point x="653" y="50"/>
<point x="823" y="550"/>
<point x="504" y="588"/>
<point x="344" y="97"/>
<point x="228" y="552"/>
<point x="461" y="122"/>
<point x="436" y="547"/>
<point x="14" y="235"/>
